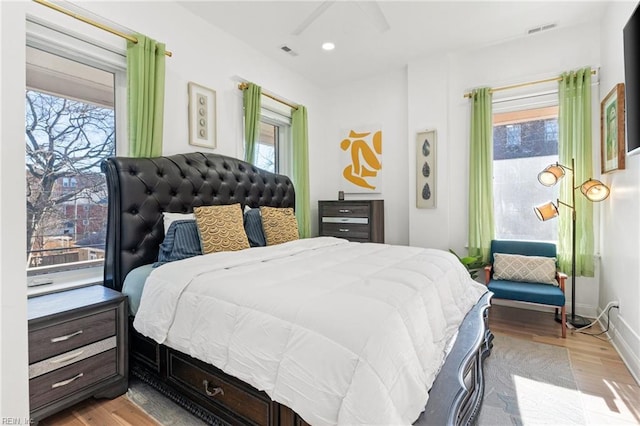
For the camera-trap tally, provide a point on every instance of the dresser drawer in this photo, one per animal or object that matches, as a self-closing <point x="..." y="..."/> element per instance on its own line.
<point x="62" y="337"/>
<point x="66" y="380"/>
<point x="343" y="209"/>
<point x="346" y="230"/>
<point x="253" y="408"/>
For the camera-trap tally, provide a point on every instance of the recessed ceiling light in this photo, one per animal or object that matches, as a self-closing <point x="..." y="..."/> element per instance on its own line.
<point x="328" y="46"/>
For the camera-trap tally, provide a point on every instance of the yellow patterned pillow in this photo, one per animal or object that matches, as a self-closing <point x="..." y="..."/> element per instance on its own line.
<point x="221" y="228"/>
<point x="279" y="225"/>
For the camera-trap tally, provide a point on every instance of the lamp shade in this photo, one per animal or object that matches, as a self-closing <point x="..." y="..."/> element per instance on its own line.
<point x="551" y="175"/>
<point x="594" y="190"/>
<point x="546" y="211"/>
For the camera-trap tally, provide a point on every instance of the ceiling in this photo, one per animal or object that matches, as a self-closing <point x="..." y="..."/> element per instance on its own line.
<point x="373" y="37"/>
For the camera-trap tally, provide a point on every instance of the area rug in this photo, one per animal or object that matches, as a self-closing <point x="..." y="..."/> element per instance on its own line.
<point x="526" y="384"/>
<point x="529" y="383"/>
<point x="159" y="407"/>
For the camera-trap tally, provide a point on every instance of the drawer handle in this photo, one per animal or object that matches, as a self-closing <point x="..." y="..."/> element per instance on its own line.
<point x="343" y="229"/>
<point x="67" y="337"/>
<point x="66" y="382"/>
<point x="68" y="357"/>
<point x="344" y="211"/>
<point x="213" y="392"/>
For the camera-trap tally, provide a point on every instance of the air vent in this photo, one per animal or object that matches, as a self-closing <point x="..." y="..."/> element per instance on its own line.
<point x="288" y="50"/>
<point x="541" y="28"/>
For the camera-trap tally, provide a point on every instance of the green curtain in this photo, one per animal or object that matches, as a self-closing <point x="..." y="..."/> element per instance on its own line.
<point x="145" y="93"/>
<point x="300" y="153"/>
<point x="481" y="225"/>
<point x="251" y="101"/>
<point x="574" y="133"/>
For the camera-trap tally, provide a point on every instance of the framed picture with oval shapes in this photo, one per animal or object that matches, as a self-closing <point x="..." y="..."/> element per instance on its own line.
<point x="426" y="167"/>
<point x="202" y="116"/>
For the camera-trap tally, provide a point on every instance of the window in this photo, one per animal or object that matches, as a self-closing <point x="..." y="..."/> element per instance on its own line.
<point x="73" y="88"/>
<point x="267" y="147"/>
<point x="524" y="143"/>
<point x="273" y="146"/>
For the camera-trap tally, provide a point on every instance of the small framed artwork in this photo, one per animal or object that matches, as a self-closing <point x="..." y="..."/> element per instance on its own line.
<point x="426" y="169"/>
<point x="202" y="116"/>
<point x="612" y="150"/>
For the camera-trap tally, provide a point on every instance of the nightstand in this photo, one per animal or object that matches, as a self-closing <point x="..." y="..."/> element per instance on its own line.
<point x="355" y="220"/>
<point x="77" y="348"/>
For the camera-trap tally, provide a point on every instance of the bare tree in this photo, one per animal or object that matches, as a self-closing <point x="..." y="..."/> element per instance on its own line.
<point x="65" y="142"/>
<point x="266" y="157"/>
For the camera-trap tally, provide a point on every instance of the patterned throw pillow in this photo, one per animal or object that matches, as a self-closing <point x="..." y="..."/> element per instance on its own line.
<point x="532" y="269"/>
<point x="221" y="228"/>
<point x="279" y="225"/>
<point x="181" y="241"/>
<point x="253" y="227"/>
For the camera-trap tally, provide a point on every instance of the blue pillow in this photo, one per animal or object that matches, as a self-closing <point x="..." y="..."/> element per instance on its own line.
<point x="181" y="242"/>
<point x="253" y="228"/>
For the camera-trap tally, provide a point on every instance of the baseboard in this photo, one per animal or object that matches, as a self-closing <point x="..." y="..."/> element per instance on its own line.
<point x="588" y="311"/>
<point x="624" y="339"/>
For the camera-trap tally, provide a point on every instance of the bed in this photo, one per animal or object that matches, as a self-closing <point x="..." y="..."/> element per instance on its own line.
<point x="141" y="190"/>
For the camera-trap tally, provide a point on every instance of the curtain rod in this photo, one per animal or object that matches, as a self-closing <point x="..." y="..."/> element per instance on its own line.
<point x="529" y="83"/>
<point x="243" y="86"/>
<point x="92" y="22"/>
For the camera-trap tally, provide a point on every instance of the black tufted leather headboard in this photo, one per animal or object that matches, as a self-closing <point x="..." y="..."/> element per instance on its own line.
<point x="140" y="189"/>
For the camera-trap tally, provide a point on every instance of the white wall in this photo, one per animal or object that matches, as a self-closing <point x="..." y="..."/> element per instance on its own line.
<point x="620" y="232"/>
<point x="201" y="53"/>
<point x="13" y="282"/>
<point x="381" y="100"/>
<point x="435" y="95"/>
<point x="210" y="57"/>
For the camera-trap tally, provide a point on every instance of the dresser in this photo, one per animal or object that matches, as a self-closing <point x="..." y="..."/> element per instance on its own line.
<point x="355" y="220"/>
<point x="77" y="348"/>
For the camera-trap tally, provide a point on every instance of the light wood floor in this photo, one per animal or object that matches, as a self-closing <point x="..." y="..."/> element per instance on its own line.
<point x="609" y="393"/>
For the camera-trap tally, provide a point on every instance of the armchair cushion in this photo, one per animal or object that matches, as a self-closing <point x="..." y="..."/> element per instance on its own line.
<point x="527" y="292"/>
<point x="533" y="269"/>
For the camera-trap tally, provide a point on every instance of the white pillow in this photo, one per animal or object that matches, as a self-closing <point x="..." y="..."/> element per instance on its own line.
<point x="171" y="217"/>
<point x="532" y="269"/>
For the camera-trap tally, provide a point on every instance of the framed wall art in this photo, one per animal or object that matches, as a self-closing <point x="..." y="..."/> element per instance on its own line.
<point x="202" y="116"/>
<point x="361" y="160"/>
<point x="612" y="149"/>
<point x="426" y="168"/>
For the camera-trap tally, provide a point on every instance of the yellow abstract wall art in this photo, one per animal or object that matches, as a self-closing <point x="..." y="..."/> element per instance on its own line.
<point x="364" y="160"/>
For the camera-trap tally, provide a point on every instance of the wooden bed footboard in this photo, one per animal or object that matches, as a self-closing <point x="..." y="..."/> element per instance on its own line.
<point x="220" y="399"/>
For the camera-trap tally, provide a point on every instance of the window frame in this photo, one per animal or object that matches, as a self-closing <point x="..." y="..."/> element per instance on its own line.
<point x="58" y="41"/>
<point x="520" y="105"/>
<point x="273" y="113"/>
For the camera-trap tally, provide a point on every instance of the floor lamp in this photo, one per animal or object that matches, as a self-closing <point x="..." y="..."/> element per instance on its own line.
<point x="594" y="191"/>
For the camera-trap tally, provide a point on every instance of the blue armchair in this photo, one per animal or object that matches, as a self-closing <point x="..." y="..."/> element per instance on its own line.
<point x="531" y="292"/>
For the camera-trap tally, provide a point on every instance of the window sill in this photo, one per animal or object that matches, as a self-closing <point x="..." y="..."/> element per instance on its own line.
<point x="63" y="281"/>
<point x="58" y="287"/>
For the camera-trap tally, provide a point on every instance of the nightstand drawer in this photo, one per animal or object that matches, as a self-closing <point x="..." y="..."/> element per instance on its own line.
<point x="345" y="230"/>
<point x="59" y="338"/>
<point x="66" y="380"/>
<point x="343" y="209"/>
<point x="78" y="354"/>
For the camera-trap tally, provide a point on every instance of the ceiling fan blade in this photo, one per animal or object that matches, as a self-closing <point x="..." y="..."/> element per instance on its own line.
<point x="314" y="15"/>
<point x="373" y="10"/>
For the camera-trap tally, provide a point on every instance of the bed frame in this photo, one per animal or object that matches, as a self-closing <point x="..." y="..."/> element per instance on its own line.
<point x="141" y="189"/>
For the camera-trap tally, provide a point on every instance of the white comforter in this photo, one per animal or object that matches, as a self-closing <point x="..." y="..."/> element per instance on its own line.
<point x="340" y="332"/>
